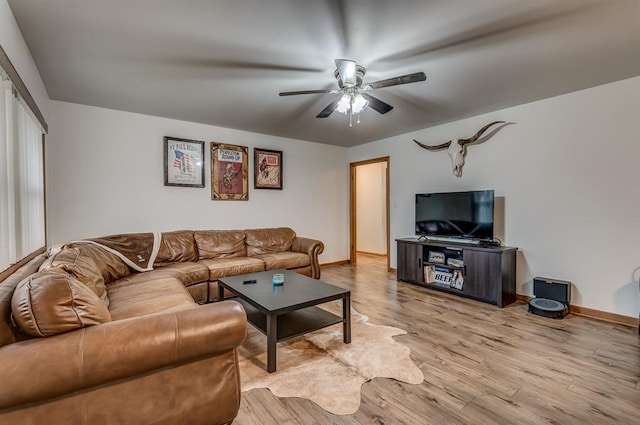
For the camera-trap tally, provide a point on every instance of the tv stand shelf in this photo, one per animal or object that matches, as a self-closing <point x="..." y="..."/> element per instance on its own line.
<point x="484" y="273"/>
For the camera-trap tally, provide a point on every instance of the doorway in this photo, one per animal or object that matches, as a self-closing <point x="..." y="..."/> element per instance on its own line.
<point x="369" y="209"/>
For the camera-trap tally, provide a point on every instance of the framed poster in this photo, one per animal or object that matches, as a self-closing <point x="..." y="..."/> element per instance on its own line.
<point x="183" y="162"/>
<point x="229" y="172"/>
<point x="267" y="173"/>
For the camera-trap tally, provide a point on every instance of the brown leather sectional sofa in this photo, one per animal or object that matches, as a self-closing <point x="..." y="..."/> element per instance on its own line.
<point x="86" y="338"/>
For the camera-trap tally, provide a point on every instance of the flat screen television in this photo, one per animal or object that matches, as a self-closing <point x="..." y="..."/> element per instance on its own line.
<point x="456" y="215"/>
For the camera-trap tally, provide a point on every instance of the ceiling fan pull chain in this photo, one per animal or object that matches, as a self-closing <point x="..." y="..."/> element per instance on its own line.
<point x="351" y="111"/>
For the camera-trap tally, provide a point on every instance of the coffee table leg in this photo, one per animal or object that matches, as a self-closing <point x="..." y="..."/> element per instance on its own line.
<point x="220" y="292"/>
<point x="346" y="319"/>
<point x="272" y="336"/>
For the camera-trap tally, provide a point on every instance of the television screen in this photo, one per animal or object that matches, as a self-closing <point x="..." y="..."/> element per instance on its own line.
<point x="464" y="215"/>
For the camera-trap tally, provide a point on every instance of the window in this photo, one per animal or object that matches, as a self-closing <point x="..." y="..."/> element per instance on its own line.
<point x="22" y="214"/>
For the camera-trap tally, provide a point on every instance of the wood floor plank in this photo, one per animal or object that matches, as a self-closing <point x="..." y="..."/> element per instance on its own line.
<point x="608" y="392"/>
<point x="255" y="411"/>
<point x="501" y="410"/>
<point x="386" y="401"/>
<point x="596" y="410"/>
<point x="482" y="364"/>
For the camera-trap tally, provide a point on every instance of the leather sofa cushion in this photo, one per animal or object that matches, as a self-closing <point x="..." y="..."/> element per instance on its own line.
<point x="80" y="266"/>
<point x="176" y="247"/>
<point x="221" y="267"/>
<point x="110" y="266"/>
<point x="199" y="292"/>
<point x="188" y="273"/>
<point x="52" y="302"/>
<point x="150" y="296"/>
<point x="220" y="243"/>
<point x="267" y="241"/>
<point x="284" y="260"/>
<point x="8" y="334"/>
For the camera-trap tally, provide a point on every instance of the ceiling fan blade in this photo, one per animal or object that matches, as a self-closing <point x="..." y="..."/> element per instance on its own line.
<point x="293" y="93"/>
<point x="329" y="109"/>
<point x="241" y="65"/>
<point x="377" y="104"/>
<point x="513" y="26"/>
<point x="347" y="71"/>
<point x="404" y="79"/>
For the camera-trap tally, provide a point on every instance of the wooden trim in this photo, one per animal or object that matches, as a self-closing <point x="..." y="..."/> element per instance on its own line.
<point x="375" y="254"/>
<point x="17" y="82"/>
<point x="15" y="266"/>
<point x="370" y="161"/>
<point x="388" y="201"/>
<point x="335" y="263"/>
<point x="353" y="208"/>
<point x="44" y="189"/>
<point x="594" y="314"/>
<point x="353" y="243"/>
<point x="603" y="315"/>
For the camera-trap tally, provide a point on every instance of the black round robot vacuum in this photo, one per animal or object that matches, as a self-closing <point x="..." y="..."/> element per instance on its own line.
<point x="548" y="308"/>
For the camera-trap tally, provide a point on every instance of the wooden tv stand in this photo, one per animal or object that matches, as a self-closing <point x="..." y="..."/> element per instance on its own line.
<point x="489" y="272"/>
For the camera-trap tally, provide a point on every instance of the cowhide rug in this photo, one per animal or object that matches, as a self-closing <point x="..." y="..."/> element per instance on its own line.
<point x="320" y="367"/>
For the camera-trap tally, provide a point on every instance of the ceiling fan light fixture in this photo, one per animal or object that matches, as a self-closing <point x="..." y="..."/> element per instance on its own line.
<point x="344" y="104"/>
<point x="359" y="104"/>
<point x="351" y="104"/>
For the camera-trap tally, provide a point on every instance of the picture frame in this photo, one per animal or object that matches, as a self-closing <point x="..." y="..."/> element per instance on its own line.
<point x="229" y="172"/>
<point x="267" y="169"/>
<point x="183" y="162"/>
<point x="436" y="257"/>
<point x="455" y="262"/>
<point x="457" y="282"/>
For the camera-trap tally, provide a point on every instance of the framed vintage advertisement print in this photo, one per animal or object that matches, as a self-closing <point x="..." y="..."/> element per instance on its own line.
<point x="267" y="172"/>
<point x="183" y="162"/>
<point x="229" y="172"/>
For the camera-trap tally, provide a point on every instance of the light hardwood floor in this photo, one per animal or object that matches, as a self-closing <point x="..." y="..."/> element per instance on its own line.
<point x="482" y="365"/>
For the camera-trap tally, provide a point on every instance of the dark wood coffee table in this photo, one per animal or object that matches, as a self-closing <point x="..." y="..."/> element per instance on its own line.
<point x="283" y="312"/>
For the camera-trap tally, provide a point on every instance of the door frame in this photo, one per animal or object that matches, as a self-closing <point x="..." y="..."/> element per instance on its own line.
<point x="353" y="208"/>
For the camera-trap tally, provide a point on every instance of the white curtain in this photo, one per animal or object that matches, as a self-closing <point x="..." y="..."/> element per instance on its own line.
<point x="21" y="180"/>
<point x="30" y="183"/>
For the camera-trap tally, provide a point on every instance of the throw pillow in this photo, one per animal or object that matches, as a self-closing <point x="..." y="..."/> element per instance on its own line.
<point x="81" y="266"/>
<point x="52" y="302"/>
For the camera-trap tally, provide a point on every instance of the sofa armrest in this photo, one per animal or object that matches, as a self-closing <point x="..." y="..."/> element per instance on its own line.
<point x="313" y="248"/>
<point x="44" y="368"/>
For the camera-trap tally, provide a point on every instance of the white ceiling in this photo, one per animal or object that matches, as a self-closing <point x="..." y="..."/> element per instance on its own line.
<point x="223" y="62"/>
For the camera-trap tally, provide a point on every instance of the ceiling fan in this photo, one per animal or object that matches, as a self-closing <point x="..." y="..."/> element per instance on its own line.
<point x="354" y="100"/>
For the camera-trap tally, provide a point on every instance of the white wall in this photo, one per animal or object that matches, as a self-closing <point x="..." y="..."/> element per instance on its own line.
<point x="568" y="176"/>
<point x="371" y="208"/>
<point x="566" y="173"/>
<point x="105" y="175"/>
<point x="16" y="48"/>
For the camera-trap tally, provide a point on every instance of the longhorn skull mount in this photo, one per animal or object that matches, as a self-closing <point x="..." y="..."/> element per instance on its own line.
<point x="457" y="148"/>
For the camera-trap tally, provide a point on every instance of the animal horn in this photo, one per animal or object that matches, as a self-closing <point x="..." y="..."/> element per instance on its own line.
<point x="476" y="136"/>
<point x="434" y="148"/>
